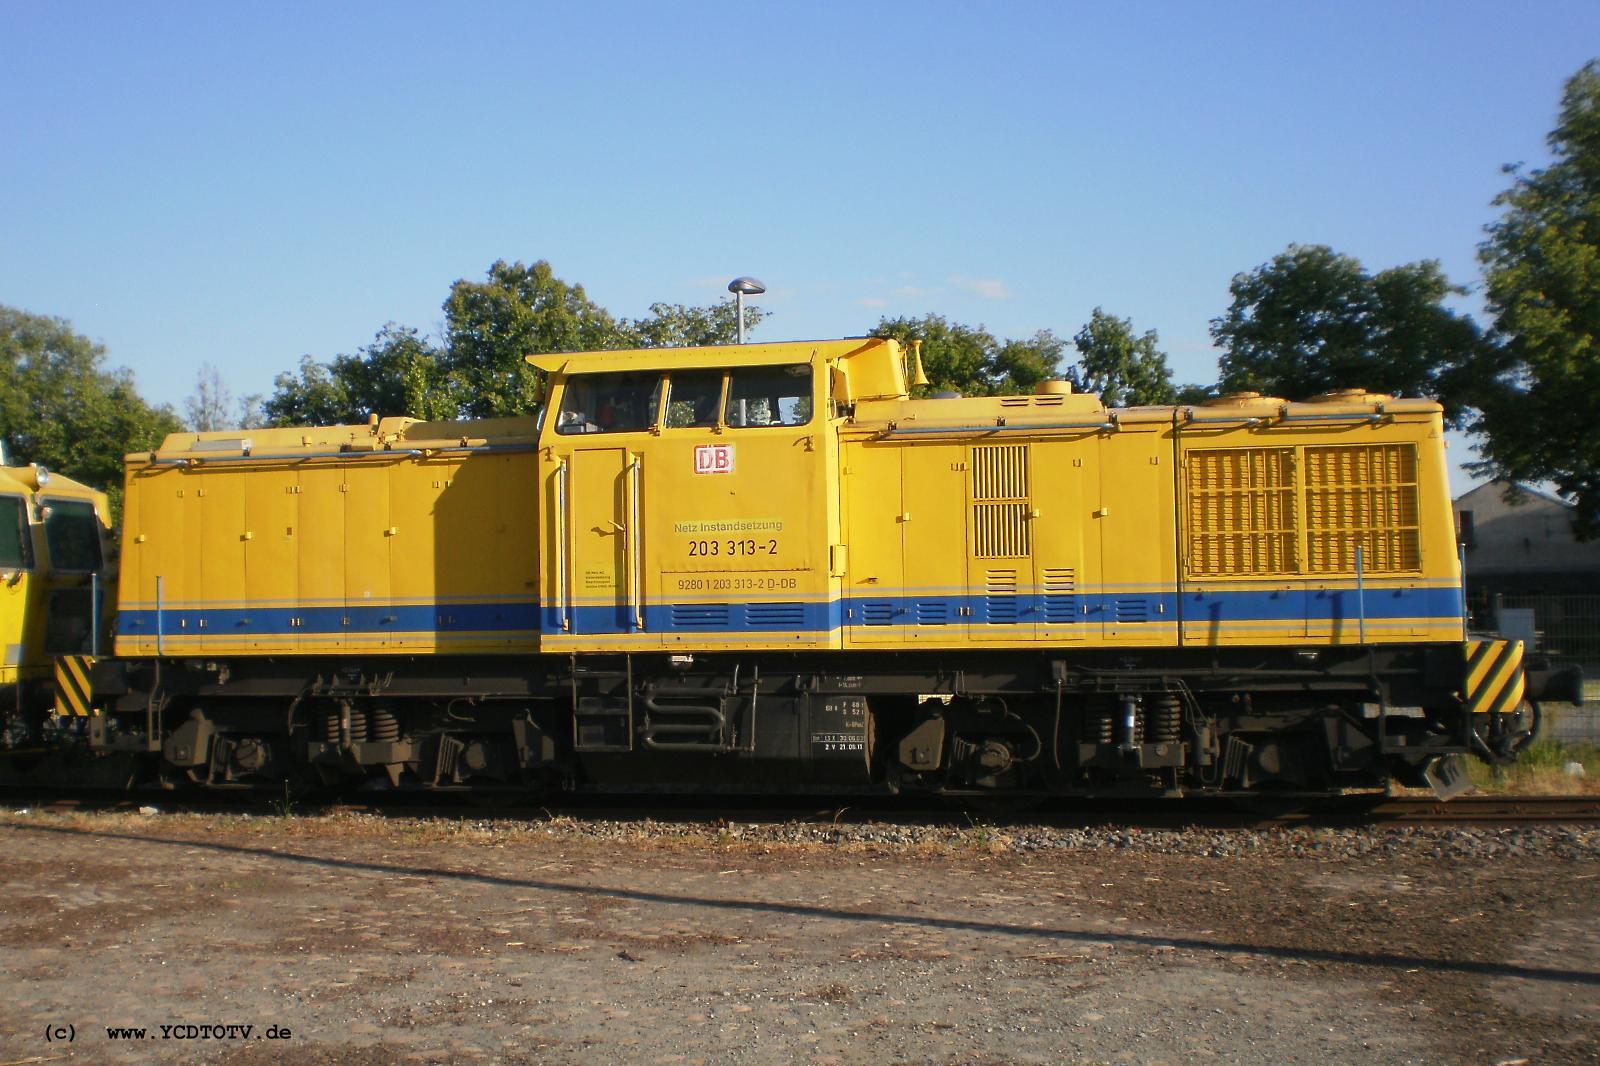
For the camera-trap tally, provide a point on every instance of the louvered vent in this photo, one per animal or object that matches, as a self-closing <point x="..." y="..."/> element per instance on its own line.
<point x="1000" y="597"/>
<point x="1000" y="506"/>
<point x="933" y="612"/>
<point x="1060" y="596"/>
<point x="776" y="614"/>
<point x="1241" y="512"/>
<point x="700" y="616"/>
<point x="877" y="612"/>
<point x="1362" y="495"/>
<point x="1132" y="609"/>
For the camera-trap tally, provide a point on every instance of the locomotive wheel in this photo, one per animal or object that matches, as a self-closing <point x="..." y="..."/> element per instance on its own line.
<point x="1499" y="743"/>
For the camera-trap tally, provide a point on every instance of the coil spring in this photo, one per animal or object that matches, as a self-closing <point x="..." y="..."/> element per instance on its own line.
<point x="385" y="727"/>
<point x="1107" y="725"/>
<point x="330" y="726"/>
<point x="358" y="724"/>
<point x="1165" y="719"/>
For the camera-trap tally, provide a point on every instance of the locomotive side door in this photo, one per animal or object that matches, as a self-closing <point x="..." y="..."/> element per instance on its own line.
<point x="1001" y="598"/>
<point x="1066" y="538"/>
<point x="599" y="521"/>
<point x="594" y="529"/>
<point x="875" y="578"/>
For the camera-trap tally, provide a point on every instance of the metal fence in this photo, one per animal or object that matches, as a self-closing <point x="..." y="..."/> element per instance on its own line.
<point x="1566" y="628"/>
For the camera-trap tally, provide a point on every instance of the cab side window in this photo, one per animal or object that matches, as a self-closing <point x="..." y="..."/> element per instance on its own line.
<point x="610" y="403"/>
<point x="769" y="396"/>
<point x="72" y="535"/>
<point x="693" y="397"/>
<point x="16" y="547"/>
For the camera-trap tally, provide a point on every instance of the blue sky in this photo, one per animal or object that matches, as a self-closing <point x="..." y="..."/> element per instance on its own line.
<point x="243" y="185"/>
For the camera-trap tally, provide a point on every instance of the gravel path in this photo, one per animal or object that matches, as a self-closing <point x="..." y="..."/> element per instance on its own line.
<point x="380" y="939"/>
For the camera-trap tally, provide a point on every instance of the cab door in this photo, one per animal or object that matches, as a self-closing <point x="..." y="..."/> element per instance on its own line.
<point x="595" y="464"/>
<point x="602" y="525"/>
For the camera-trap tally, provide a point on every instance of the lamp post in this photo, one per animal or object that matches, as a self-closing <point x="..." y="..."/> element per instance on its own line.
<point x="742" y="287"/>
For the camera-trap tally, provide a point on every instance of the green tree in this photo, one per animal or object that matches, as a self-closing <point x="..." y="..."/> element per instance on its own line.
<point x="519" y="310"/>
<point x="1125" y="369"/>
<point x="1540" y="405"/>
<point x="316" y="396"/>
<point x="677" y="326"/>
<point x="480" y="370"/>
<point x="62" y="408"/>
<point x="1313" y="320"/>
<point x="971" y="361"/>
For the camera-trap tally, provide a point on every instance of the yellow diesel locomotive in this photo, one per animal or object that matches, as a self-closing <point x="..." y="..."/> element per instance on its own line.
<point x="56" y="582"/>
<point x="766" y="566"/>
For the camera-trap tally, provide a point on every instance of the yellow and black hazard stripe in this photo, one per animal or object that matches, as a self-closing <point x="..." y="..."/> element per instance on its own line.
<point x="1495" y="681"/>
<point x="74" y="695"/>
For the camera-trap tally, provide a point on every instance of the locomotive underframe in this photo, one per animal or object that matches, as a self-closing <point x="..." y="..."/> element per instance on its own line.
<point x="1112" y="723"/>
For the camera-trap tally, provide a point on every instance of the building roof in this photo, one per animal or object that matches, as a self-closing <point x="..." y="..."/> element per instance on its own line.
<point x="1500" y="485"/>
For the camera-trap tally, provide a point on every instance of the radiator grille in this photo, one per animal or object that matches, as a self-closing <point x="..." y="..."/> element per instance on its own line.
<point x="1241" y="512"/>
<point x="1254" y="512"/>
<point x="1362" y="495"/>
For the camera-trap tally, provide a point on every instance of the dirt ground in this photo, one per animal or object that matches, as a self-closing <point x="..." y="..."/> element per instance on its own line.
<point x="377" y="940"/>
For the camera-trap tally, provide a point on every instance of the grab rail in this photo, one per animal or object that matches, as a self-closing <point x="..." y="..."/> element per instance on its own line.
<point x="563" y="600"/>
<point x="635" y="570"/>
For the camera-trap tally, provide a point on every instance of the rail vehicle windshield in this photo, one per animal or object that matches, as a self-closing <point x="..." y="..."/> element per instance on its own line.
<point x="692" y="398"/>
<point x="769" y="396"/>
<point x="16" y="551"/>
<point x="610" y="403"/>
<point x="72" y="534"/>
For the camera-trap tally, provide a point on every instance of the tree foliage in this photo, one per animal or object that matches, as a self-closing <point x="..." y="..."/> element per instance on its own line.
<point x="1542" y="264"/>
<point x="478" y="370"/>
<point x="971" y="361"/>
<point x="677" y="326"/>
<point x="1313" y="320"/>
<point x="62" y="408"/>
<point x="1124" y="368"/>
<point x="518" y="310"/>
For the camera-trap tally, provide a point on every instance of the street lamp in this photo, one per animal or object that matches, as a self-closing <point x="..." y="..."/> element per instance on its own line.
<point x="742" y="287"/>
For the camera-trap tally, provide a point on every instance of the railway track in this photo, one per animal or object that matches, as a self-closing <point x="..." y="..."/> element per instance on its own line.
<point x="745" y="810"/>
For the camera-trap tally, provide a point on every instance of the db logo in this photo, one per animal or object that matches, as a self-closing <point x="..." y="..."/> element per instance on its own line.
<point x="713" y="459"/>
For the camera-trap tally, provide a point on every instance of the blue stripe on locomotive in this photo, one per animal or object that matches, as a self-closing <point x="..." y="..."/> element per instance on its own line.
<point x="1279" y="605"/>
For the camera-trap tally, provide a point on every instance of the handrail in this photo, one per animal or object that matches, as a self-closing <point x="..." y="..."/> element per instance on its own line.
<point x="1024" y="427"/>
<point x="1333" y="416"/>
<point x="563" y="600"/>
<point x="378" y="453"/>
<point x="635" y="571"/>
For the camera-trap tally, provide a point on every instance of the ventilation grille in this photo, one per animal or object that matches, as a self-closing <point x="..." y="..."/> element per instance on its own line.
<point x="1060" y="596"/>
<point x="776" y="614"/>
<point x="1131" y="609"/>
<point x="1362" y="496"/>
<point x="700" y="616"/>
<point x="933" y="613"/>
<point x="1241" y="512"/>
<point x="1000" y="472"/>
<point x="877" y="612"/>
<point x="1000" y="597"/>
<point x="1268" y="511"/>
<point x="1000" y="496"/>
